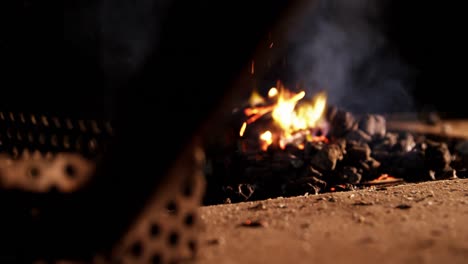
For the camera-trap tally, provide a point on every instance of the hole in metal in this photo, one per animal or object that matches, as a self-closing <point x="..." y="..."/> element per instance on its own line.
<point x="33" y="172"/>
<point x="189" y="220"/>
<point x="156" y="259"/>
<point x="136" y="249"/>
<point x="172" y="207"/>
<point x="155" y="230"/>
<point x="70" y="171"/>
<point x="192" y="245"/>
<point x="173" y="239"/>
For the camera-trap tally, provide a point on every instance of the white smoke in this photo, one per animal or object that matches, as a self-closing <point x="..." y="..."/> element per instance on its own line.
<point x="340" y="47"/>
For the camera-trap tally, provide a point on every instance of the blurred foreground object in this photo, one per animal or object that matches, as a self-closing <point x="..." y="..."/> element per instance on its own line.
<point x="157" y="71"/>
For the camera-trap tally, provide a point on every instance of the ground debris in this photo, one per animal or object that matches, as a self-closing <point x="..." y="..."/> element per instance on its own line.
<point x="403" y="206"/>
<point x="254" y="223"/>
<point x="363" y="203"/>
<point x="259" y="206"/>
<point x="358" y="218"/>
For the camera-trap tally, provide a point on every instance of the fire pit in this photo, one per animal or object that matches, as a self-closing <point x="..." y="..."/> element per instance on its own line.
<point x="324" y="112"/>
<point x="285" y="144"/>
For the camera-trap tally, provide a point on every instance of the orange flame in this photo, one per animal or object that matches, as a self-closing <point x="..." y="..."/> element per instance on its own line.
<point x="295" y="120"/>
<point x="292" y="118"/>
<point x="385" y="177"/>
<point x="256" y="99"/>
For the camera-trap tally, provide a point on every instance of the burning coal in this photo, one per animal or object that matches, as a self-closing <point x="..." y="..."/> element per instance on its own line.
<point x="286" y="143"/>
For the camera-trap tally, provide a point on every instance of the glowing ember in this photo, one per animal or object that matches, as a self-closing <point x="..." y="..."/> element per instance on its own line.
<point x="272" y="92"/>
<point x="267" y="139"/>
<point x="297" y="120"/>
<point x="242" y="130"/>
<point x="256" y="99"/>
<point x="385" y="177"/>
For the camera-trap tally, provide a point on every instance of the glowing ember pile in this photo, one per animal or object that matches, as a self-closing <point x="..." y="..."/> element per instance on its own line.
<point x="283" y="144"/>
<point x="296" y="121"/>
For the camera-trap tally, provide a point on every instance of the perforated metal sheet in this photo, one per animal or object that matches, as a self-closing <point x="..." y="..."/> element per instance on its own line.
<point x="167" y="230"/>
<point x="37" y="172"/>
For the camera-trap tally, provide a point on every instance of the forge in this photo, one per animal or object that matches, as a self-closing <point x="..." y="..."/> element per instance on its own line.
<point x="283" y="146"/>
<point x="320" y="162"/>
<point x="335" y="102"/>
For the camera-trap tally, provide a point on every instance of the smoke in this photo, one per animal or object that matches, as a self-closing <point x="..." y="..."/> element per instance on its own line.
<point x="129" y="31"/>
<point x="340" y="47"/>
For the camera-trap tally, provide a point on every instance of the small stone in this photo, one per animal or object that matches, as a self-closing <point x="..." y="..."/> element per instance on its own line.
<point x="259" y="206"/>
<point x="341" y="122"/>
<point x="358" y="136"/>
<point x="350" y="175"/>
<point x="373" y="125"/>
<point x="327" y="157"/>
<point x="437" y="156"/>
<point x="357" y="152"/>
<point x="358" y="218"/>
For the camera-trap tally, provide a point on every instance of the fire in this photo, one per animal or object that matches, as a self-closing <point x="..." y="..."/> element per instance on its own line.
<point x="256" y="99"/>
<point x="272" y="92"/>
<point x="267" y="139"/>
<point x="242" y="130"/>
<point x="385" y="177"/>
<point x="305" y="116"/>
<point x="296" y="119"/>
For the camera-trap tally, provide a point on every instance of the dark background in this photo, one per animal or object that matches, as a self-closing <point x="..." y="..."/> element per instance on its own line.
<point x="430" y="37"/>
<point x="52" y="60"/>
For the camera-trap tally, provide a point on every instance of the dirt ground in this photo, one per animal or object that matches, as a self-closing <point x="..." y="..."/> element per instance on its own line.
<point x="412" y="223"/>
